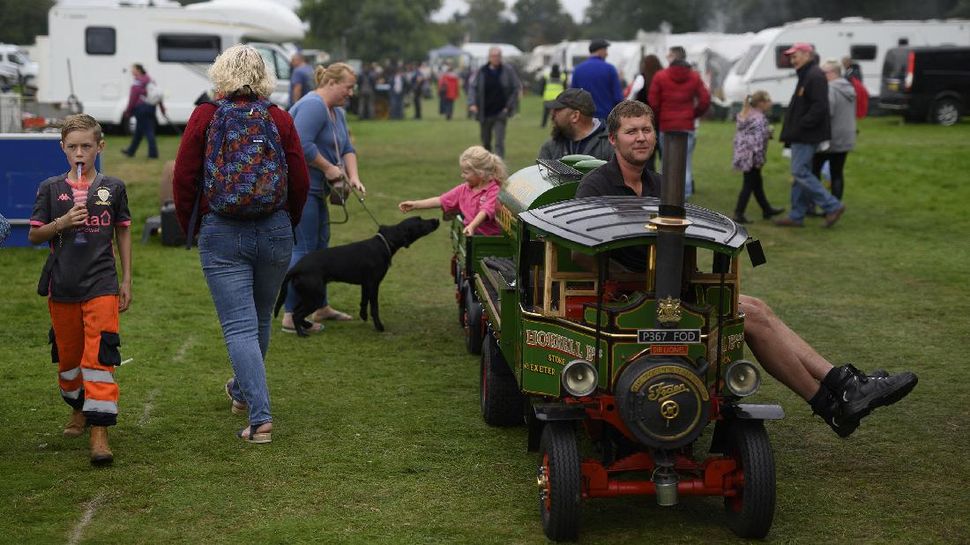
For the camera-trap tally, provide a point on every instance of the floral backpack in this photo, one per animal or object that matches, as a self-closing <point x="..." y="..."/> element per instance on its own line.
<point x="245" y="172"/>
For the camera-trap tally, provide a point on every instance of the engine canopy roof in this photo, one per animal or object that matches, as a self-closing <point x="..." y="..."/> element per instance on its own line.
<point x="600" y="223"/>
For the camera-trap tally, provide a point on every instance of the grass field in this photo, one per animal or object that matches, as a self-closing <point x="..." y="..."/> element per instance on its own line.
<point x="378" y="437"/>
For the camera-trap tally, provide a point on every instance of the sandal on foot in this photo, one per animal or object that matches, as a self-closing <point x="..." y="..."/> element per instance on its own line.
<point x="332" y="314"/>
<point x="314" y="328"/>
<point x="250" y="435"/>
<point x="236" y="407"/>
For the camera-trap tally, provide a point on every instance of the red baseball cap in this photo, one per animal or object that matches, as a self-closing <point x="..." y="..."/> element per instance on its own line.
<point x="799" y="46"/>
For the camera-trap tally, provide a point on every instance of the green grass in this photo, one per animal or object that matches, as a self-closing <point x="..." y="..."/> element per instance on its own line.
<point x="378" y="437"/>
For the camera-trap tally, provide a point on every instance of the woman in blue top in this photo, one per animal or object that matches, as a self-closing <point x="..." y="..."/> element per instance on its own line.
<point x="322" y="124"/>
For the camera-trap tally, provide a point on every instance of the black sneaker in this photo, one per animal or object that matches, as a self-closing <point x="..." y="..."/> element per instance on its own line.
<point x="826" y="405"/>
<point x="858" y="394"/>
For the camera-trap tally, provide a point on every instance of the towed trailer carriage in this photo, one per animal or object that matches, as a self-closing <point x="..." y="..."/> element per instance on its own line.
<point x="618" y="370"/>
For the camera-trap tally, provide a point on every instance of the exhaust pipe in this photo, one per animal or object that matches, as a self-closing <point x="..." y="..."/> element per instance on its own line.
<point x="671" y="224"/>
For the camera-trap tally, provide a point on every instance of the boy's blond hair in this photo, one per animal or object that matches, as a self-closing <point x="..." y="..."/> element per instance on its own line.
<point x="81" y="122"/>
<point x="484" y="163"/>
<point x="337" y="72"/>
<point x="241" y="70"/>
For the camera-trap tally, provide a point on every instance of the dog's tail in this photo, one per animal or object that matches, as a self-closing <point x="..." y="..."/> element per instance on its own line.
<point x="281" y="298"/>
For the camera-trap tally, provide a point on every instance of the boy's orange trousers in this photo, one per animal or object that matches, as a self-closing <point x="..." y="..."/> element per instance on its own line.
<point x="86" y="342"/>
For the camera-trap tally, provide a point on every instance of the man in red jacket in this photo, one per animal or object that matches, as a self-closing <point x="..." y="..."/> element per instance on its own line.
<point x="678" y="97"/>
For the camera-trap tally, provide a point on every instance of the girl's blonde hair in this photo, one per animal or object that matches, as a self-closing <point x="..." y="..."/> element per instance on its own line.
<point x="241" y="70"/>
<point x="485" y="164"/>
<point x="754" y="99"/>
<point x="337" y="72"/>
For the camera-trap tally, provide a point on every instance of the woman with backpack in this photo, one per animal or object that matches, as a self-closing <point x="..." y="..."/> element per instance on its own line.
<point x="321" y="121"/>
<point x="240" y="168"/>
<point x="141" y="104"/>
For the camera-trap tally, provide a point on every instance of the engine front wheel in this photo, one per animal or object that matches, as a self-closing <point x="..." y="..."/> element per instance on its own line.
<point x="751" y="511"/>
<point x="559" y="478"/>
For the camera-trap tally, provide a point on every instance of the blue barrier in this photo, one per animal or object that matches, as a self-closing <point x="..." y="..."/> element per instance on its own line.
<point x="26" y="160"/>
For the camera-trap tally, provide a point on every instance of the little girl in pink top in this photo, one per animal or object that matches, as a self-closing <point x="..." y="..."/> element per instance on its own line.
<point x="476" y="199"/>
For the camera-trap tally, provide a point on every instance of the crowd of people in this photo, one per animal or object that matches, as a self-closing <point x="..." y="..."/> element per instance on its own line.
<point x="298" y="159"/>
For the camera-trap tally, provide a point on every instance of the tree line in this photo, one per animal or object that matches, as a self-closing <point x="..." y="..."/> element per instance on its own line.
<point x="374" y="30"/>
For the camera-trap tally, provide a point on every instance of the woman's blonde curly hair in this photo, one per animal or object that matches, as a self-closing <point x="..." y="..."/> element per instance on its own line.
<point x="241" y="70"/>
<point x="484" y="163"/>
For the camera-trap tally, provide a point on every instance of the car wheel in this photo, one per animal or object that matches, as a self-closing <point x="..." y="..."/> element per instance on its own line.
<point x="946" y="112"/>
<point x="499" y="395"/>
<point x="473" y="322"/>
<point x="559" y="478"/>
<point x="751" y="511"/>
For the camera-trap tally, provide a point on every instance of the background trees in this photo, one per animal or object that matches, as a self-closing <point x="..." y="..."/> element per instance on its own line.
<point x="20" y="21"/>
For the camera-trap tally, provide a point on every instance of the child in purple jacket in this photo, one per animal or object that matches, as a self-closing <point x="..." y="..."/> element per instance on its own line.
<point x="750" y="145"/>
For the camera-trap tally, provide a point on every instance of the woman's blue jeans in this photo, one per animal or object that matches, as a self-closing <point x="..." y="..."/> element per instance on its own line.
<point x="313" y="233"/>
<point x="144" y="126"/>
<point x="244" y="262"/>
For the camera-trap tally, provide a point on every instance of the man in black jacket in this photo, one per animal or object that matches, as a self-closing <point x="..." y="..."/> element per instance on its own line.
<point x="806" y="129"/>
<point x="574" y="129"/>
<point x="493" y="96"/>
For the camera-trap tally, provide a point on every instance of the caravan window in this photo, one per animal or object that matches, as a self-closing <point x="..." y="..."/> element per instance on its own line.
<point x="99" y="40"/>
<point x="863" y="52"/>
<point x="782" y="60"/>
<point x="745" y="62"/>
<point x="272" y="58"/>
<point x="201" y="48"/>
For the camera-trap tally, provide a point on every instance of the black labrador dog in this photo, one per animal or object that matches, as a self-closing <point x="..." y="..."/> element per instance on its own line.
<point x="364" y="263"/>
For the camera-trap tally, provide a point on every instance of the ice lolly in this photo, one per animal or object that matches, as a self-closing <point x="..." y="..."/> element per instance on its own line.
<point x="80" y="187"/>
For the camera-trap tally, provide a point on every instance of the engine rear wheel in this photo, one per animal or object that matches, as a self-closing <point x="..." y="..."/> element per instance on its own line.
<point x="473" y="322"/>
<point x="946" y="112"/>
<point x="500" y="398"/>
<point x="750" y="513"/>
<point x="559" y="479"/>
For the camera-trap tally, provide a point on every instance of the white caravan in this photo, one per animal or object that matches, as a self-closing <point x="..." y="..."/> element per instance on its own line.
<point x="765" y="66"/>
<point x="92" y="45"/>
<point x="476" y="53"/>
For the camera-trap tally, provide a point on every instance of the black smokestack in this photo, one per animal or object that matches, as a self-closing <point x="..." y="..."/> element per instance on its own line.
<point x="671" y="224"/>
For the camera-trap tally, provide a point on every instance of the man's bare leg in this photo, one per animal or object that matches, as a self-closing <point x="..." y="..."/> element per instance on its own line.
<point x="842" y="396"/>
<point x="782" y="353"/>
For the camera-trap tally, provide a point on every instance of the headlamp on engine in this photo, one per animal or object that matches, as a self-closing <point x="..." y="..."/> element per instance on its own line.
<point x="579" y="378"/>
<point x="742" y="378"/>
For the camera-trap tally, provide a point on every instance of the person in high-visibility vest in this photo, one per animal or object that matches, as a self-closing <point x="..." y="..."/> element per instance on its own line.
<point x="551" y="88"/>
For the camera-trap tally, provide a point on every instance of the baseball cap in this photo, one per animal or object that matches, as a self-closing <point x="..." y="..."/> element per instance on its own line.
<point x="575" y="98"/>
<point x="799" y="46"/>
<point x="598" y="44"/>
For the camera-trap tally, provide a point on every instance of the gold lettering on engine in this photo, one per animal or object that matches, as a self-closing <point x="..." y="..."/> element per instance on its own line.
<point x="662" y="391"/>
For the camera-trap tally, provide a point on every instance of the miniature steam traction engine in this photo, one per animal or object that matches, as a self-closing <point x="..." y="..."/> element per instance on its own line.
<point x="616" y="318"/>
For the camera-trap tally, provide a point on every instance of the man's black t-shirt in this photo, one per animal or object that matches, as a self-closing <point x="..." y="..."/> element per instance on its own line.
<point x="85" y="267"/>
<point x="607" y="180"/>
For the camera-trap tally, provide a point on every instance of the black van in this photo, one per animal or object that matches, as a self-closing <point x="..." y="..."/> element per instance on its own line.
<point x="927" y="83"/>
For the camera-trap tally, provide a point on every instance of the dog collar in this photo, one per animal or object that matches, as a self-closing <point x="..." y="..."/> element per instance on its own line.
<point x="386" y="244"/>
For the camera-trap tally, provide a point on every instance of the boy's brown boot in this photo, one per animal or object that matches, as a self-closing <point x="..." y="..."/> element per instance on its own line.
<point x="100" y="452"/>
<point x="75" y="426"/>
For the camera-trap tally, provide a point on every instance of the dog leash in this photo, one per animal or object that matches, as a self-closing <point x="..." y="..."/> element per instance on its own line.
<point x="360" y="199"/>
